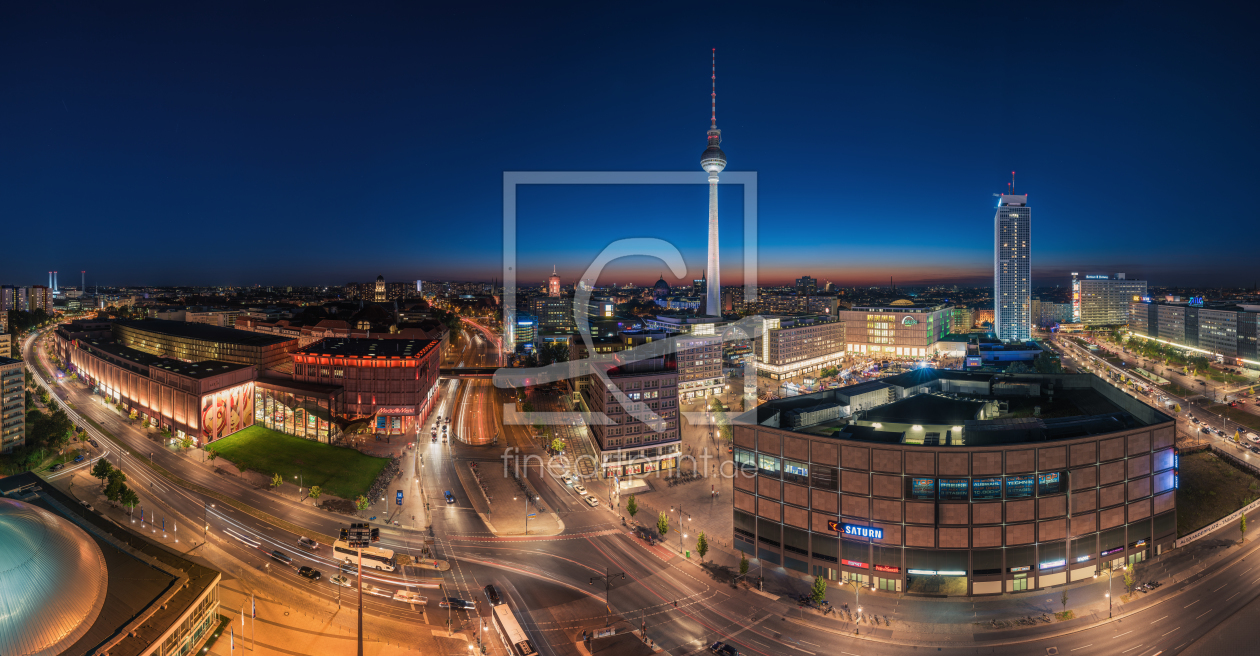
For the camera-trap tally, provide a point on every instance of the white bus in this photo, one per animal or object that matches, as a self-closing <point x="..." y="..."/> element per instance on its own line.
<point x="513" y="637"/>
<point x="376" y="558"/>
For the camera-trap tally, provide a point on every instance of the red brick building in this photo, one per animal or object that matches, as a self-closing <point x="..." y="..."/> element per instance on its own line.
<point x="390" y="381"/>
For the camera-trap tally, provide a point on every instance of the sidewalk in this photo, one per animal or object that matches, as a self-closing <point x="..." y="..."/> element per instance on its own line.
<point x="501" y="503"/>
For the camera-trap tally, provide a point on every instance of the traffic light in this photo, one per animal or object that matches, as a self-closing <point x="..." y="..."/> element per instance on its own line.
<point x="376" y="535"/>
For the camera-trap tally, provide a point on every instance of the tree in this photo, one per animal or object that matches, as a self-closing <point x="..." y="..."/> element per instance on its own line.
<point x="818" y="592"/>
<point x="276" y="481"/>
<point x="702" y="545"/>
<point x="314" y="493"/>
<point x="145" y="424"/>
<point x="1017" y="368"/>
<point x="101" y="470"/>
<point x="1129" y="579"/>
<point x="1242" y="528"/>
<point x="743" y="564"/>
<point x="132" y="415"/>
<point x="43" y="397"/>
<point x="186" y="442"/>
<point x="632" y="506"/>
<point x="211" y="454"/>
<point x="1047" y="363"/>
<point x="114" y="488"/>
<point x="557" y="445"/>
<point x="1063" y="599"/>
<point x="128" y="498"/>
<point x="361" y="503"/>
<point x="662" y="524"/>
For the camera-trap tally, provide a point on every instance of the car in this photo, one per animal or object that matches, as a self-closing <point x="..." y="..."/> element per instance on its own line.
<point x="580" y="489"/>
<point x="1205" y="429"/>
<point x="492" y="595"/>
<point x="1220" y="432"/>
<point x="1194" y="420"/>
<point x="78" y="458"/>
<point x="85" y="504"/>
<point x="281" y="556"/>
<point x="591" y="501"/>
<point x="307" y="543"/>
<point x="93" y="443"/>
<point x="343" y="581"/>
<point x="568" y="480"/>
<point x="411" y="597"/>
<point x="310" y="573"/>
<point x="1254" y="448"/>
<point x="57" y="467"/>
<point x="723" y="649"/>
<point x="450" y="498"/>
<point x="457" y="604"/>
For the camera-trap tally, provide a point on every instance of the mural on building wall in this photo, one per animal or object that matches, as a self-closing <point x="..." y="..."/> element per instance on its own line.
<point x="227" y="411"/>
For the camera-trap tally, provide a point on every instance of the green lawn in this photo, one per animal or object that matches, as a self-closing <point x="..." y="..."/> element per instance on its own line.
<point x="338" y="471"/>
<point x="1210" y="489"/>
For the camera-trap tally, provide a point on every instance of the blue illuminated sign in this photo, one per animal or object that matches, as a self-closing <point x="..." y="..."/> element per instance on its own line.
<point x="1019" y="486"/>
<point x="1196" y="300"/>
<point x="856" y="531"/>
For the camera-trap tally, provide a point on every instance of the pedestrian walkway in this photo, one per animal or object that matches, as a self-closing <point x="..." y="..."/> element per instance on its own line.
<point x="501" y="502"/>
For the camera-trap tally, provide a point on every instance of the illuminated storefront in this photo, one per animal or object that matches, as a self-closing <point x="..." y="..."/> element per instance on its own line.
<point x="304" y="410"/>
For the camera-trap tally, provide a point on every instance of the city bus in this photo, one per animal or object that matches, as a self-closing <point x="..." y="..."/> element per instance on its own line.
<point x="376" y="558"/>
<point x="510" y="631"/>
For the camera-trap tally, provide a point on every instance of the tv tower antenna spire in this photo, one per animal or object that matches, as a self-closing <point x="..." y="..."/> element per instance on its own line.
<point x="713" y="95"/>
<point x="1012" y="182"/>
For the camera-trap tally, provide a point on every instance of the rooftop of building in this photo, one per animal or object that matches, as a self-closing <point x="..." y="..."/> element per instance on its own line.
<point x="202" y="331"/>
<point x="148" y="588"/>
<point x="366" y="347"/>
<point x="198" y="370"/>
<point x="901" y="305"/>
<point x="989" y="408"/>
<point x="7" y="361"/>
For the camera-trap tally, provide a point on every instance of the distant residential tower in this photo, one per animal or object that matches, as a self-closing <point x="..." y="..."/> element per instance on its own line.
<point x="1012" y="268"/>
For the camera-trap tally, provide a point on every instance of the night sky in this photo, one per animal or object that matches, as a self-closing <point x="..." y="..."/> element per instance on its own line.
<point x="301" y="143"/>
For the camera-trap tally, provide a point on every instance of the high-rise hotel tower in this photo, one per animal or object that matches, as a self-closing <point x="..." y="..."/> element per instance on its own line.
<point x="1012" y="268"/>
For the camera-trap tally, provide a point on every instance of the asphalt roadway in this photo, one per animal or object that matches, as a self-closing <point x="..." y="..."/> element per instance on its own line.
<point x="556" y="585"/>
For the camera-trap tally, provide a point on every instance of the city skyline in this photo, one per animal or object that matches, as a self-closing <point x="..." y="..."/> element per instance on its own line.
<point x="865" y="171"/>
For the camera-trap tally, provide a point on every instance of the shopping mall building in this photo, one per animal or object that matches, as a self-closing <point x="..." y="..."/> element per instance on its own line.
<point x="952" y="483"/>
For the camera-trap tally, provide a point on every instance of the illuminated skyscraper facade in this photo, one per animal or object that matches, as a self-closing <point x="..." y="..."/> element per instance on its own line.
<point x="1012" y="268"/>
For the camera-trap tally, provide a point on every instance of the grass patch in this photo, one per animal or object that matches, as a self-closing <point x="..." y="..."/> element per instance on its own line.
<point x="339" y="471"/>
<point x="1210" y="489"/>
<point x="1064" y="616"/>
<point x="1237" y="415"/>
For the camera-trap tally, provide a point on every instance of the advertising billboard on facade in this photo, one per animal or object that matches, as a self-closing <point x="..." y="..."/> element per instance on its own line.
<point x="226" y="411"/>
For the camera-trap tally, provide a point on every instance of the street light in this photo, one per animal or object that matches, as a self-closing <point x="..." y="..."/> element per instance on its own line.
<point x="1108" y="593"/>
<point x="608" y="577"/>
<point x="681" y="535"/>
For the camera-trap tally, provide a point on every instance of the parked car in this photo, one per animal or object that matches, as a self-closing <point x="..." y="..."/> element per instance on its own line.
<point x="282" y="557"/>
<point x="307" y="543"/>
<point x="93" y="443"/>
<point x="310" y="573"/>
<point x="450" y="498"/>
<point x="457" y="604"/>
<point x="57" y="467"/>
<point x="1205" y="429"/>
<point x="78" y="458"/>
<point x="411" y="597"/>
<point x="723" y="649"/>
<point x="492" y="595"/>
<point x="343" y="581"/>
<point x="85" y="504"/>
<point x="591" y="501"/>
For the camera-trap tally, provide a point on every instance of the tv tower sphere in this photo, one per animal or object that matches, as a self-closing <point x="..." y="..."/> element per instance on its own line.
<point x="713" y="160"/>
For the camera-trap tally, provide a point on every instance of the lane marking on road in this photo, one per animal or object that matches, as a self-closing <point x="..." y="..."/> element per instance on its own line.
<point x="1221" y="587"/>
<point x="1234" y="595"/>
<point x="1160" y="619"/>
<point x="1170" y="631"/>
<point x="1085" y="647"/>
<point x="1191" y="603"/>
<point x="1129" y="649"/>
<point x="1209" y="610"/>
<point x="1121" y="635"/>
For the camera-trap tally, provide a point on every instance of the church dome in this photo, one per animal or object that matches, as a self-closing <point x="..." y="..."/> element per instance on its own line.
<point x="53" y="580"/>
<point x="661" y="288"/>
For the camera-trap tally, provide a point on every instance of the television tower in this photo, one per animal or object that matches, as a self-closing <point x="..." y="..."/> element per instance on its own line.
<point x="713" y="160"/>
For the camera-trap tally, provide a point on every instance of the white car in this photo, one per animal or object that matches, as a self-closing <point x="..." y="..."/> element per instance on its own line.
<point x="591" y="501"/>
<point x="568" y="480"/>
<point x="411" y="597"/>
<point x="580" y="489"/>
<point x="1253" y="437"/>
<point x="342" y="581"/>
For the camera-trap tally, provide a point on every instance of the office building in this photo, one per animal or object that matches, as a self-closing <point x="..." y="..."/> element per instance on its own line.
<point x="901" y="328"/>
<point x="1105" y="299"/>
<point x="388" y="381"/>
<point x="79" y="583"/>
<point x="636" y="443"/>
<point x="792" y="346"/>
<point x="1049" y="313"/>
<point x="195" y="342"/>
<point x="1222" y="330"/>
<point x="961" y="320"/>
<point x="699" y="360"/>
<point x="806" y="286"/>
<point x="554" y="313"/>
<point x="946" y="483"/>
<point x="12" y="404"/>
<point x="524" y="331"/>
<point x="1012" y="268"/>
